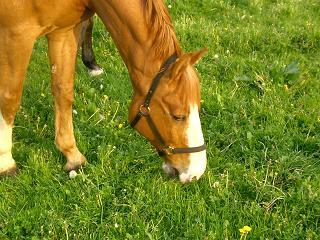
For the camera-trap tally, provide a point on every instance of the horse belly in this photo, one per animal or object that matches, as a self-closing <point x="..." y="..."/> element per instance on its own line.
<point x="41" y="16"/>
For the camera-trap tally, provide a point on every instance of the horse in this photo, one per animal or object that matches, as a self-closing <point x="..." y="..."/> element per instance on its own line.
<point x="87" y="53"/>
<point x="166" y="90"/>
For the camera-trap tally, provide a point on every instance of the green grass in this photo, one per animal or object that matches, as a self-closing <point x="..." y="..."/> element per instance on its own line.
<point x="260" y="117"/>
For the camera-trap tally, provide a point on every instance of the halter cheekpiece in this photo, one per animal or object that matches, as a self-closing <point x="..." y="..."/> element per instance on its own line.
<point x="144" y="111"/>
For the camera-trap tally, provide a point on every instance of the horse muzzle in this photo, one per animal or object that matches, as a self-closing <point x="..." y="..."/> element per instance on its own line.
<point x="196" y="168"/>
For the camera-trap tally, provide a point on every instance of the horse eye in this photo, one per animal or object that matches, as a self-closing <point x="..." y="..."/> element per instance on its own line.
<point x="179" y="117"/>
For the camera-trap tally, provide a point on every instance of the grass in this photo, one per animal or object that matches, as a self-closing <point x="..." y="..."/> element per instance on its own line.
<point x="260" y="117"/>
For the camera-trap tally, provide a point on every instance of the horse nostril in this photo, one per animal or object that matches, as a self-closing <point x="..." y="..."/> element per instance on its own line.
<point x="169" y="170"/>
<point x="174" y="172"/>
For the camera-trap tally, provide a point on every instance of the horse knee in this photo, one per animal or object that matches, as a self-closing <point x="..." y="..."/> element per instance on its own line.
<point x="9" y="104"/>
<point x="10" y="97"/>
<point x="63" y="92"/>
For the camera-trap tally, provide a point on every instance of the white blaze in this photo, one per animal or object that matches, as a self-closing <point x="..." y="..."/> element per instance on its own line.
<point x="197" y="160"/>
<point x="6" y="160"/>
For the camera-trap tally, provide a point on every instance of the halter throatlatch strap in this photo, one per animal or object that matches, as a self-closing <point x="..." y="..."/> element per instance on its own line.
<point x="144" y="111"/>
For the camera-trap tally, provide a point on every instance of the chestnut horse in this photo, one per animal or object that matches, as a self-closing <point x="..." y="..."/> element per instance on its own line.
<point x="166" y="96"/>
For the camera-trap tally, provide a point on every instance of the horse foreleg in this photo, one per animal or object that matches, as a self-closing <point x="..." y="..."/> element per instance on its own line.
<point x="62" y="53"/>
<point x="14" y="58"/>
<point x="88" y="57"/>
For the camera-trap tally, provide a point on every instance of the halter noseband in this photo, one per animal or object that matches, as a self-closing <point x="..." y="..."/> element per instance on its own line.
<point x="144" y="111"/>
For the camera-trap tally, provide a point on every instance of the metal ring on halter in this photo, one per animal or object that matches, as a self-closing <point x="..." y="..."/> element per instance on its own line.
<point x="144" y="110"/>
<point x="168" y="150"/>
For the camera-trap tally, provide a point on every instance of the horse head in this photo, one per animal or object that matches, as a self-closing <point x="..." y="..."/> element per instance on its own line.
<point x="168" y="116"/>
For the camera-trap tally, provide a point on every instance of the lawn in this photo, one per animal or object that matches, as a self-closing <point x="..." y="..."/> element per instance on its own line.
<point x="260" y="117"/>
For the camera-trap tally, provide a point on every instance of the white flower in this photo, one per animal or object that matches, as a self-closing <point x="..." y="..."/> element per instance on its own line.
<point x="73" y="174"/>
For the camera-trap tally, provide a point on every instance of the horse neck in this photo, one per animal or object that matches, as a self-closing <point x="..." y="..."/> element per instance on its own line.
<point x="135" y="39"/>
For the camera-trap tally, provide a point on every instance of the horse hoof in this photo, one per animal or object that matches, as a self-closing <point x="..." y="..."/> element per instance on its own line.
<point x="95" y="72"/>
<point x="75" y="165"/>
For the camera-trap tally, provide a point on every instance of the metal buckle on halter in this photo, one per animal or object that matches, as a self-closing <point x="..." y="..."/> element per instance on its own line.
<point x="168" y="150"/>
<point x="162" y="69"/>
<point x="144" y="110"/>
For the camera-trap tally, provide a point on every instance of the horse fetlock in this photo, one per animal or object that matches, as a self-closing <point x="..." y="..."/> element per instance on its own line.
<point x="6" y="137"/>
<point x="65" y="143"/>
<point x="7" y="164"/>
<point x="75" y="160"/>
<point x="95" y="71"/>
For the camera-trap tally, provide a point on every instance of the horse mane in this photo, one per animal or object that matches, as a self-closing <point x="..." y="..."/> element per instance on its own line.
<point x="158" y="20"/>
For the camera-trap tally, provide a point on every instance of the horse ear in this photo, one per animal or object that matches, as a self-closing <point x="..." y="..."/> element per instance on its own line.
<point x="195" y="57"/>
<point x="185" y="60"/>
<point x="180" y="65"/>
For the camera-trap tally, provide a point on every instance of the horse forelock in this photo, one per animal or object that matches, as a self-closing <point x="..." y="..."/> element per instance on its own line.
<point x="187" y="86"/>
<point x="159" y="21"/>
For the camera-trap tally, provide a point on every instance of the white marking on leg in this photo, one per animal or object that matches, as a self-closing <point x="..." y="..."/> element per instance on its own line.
<point x="95" y="72"/>
<point x="6" y="160"/>
<point x="197" y="160"/>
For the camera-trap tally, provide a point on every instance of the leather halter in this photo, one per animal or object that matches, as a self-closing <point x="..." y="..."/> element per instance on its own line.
<point x="144" y="111"/>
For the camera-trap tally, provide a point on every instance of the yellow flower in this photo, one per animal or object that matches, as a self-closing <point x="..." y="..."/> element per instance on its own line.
<point x="245" y="230"/>
<point x="120" y="125"/>
<point x="286" y="87"/>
